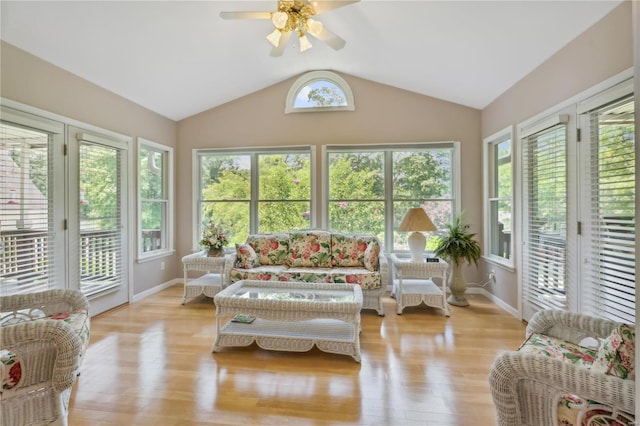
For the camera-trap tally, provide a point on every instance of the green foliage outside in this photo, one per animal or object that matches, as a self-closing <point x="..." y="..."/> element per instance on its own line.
<point x="325" y="96"/>
<point x="99" y="182"/>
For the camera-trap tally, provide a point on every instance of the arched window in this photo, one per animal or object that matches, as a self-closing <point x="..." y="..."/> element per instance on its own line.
<point x="319" y="91"/>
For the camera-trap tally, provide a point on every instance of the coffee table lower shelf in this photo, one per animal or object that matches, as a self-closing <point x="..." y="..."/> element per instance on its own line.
<point x="333" y="336"/>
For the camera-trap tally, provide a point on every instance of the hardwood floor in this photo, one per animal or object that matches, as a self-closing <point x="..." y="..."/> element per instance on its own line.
<point x="150" y="363"/>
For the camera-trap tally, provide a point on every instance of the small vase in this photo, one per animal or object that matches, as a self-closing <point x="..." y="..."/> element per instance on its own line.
<point x="215" y="252"/>
<point x="458" y="287"/>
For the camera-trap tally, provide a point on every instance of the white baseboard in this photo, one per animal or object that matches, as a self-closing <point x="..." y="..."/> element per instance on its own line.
<point x="494" y="299"/>
<point x="154" y="290"/>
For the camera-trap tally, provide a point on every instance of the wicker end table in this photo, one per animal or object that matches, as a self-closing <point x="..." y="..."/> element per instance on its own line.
<point x="211" y="282"/>
<point x="290" y="316"/>
<point x="413" y="284"/>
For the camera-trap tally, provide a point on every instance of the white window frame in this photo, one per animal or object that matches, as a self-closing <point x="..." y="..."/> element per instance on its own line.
<point x="167" y="249"/>
<point x="490" y="175"/>
<point x="388" y="196"/>
<point x="312" y="77"/>
<point x="254" y="153"/>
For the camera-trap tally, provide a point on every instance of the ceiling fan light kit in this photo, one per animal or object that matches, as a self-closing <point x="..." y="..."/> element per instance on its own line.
<point x="295" y="16"/>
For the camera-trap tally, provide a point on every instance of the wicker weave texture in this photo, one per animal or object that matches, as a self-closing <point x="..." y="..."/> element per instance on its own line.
<point x="25" y="307"/>
<point x="291" y="325"/>
<point x="526" y="387"/>
<point x="50" y="356"/>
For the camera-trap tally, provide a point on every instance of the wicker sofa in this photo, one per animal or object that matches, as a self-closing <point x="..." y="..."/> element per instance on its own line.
<point x="315" y="256"/>
<point x="43" y="338"/>
<point x="572" y="370"/>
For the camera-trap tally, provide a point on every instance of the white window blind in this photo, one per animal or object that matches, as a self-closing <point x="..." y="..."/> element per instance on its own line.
<point x="26" y="232"/>
<point x="101" y="263"/>
<point x="610" y="282"/>
<point x="545" y="198"/>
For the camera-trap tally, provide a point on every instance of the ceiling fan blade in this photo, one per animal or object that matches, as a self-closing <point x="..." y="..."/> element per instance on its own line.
<point x="284" y="40"/>
<point x="334" y="41"/>
<point x="245" y="15"/>
<point x="321" y="6"/>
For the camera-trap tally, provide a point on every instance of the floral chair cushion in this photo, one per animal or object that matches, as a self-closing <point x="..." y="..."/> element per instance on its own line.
<point x="271" y="249"/>
<point x="310" y="248"/>
<point x="348" y="250"/>
<point x="246" y="256"/>
<point x="617" y="353"/>
<point x="10" y="370"/>
<point x="575" y="411"/>
<point x="361" y="276"/>
<point x="555" y="348"/>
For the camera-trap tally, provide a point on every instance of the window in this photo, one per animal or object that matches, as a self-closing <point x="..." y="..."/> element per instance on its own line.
<point x="319" y="91"/>
<point x="267" y="191"/>
<point x="155" y="198"/>
<point x="499" y="198"/>
<point x="370" y="190"/>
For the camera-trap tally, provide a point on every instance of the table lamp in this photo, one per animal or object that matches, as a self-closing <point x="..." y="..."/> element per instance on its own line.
<point x="416" y="221"/>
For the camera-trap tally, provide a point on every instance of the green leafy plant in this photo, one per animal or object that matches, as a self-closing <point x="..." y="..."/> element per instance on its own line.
<point x="457" y="244"/>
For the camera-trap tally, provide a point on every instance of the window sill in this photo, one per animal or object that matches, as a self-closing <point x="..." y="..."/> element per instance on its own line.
<point x="504" y="264"/>
<point x="158" y="254"/>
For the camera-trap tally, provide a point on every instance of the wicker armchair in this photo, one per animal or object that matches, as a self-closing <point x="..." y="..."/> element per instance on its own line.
<point x="526" y="388"/>
<point x="41" y="349"/>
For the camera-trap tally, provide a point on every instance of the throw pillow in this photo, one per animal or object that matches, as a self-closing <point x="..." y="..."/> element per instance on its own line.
<point x="246" y="256"/>
<point x="617" y="353"/>
<point x="371" y="256"/>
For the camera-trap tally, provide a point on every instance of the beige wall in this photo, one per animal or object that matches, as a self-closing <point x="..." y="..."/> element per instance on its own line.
<point x="383" y="114"/>
<point x="601" y="52"/>
<point x="31" y="81"/>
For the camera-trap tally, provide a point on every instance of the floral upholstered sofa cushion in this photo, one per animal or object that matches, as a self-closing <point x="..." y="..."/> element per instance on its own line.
<point x="615" y="356"/>
<point x="312" y="256"/>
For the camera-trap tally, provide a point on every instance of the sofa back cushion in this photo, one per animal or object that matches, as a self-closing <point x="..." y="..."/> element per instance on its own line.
<point x="272" y="249"/>
<point x="617" y="353"/>
<point x="310" y="248"/>
<point x="348" y="250"/>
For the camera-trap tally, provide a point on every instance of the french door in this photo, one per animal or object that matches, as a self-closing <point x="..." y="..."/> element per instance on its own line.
<point x="578" y="192"/>
<point x="63" y="210"/>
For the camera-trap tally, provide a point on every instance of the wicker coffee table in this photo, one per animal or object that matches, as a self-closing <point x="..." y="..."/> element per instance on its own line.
<point x="290" y="316"/>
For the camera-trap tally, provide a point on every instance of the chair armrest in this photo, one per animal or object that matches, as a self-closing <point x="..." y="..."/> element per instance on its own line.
<point x="526" y="388"/>
<point x="384" y="270"/>
<point x="48" y="302"/>
<point x="569" y="326"/>
<point x="41" y="343"/>
<point x="229" y="263"/>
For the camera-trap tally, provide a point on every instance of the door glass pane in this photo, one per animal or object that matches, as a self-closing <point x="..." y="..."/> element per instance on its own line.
<point x="101" y="266"/>
<point x="611" y="283"/>
<point x="545" y="186"/>
<point x="26" y="250"/>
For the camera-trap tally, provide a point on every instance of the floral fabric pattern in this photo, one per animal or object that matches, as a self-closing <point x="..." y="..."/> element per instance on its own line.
<point x="10" y="370"/>
<point x="261" y="273"/>
<point x="617" y="353"/>
<point x="312" y="248"/>
<point x="271" y="249"/>
<point x="246" y="256"/>
<point x="552" y="347"/>
<point x="372" y="256"/>
<point x="571" y="408"/>
<point x="348" y="250"/>
<point x="363" y="277"/>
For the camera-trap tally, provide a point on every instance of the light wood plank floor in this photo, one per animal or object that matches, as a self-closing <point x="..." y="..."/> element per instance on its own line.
<point x="150" y="363"/>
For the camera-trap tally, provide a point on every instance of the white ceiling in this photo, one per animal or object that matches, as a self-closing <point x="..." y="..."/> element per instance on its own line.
<point x="178" y="58"/>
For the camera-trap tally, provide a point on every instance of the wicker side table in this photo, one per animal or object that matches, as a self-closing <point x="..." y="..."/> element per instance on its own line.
<point x="213" y="279"/>
<point x="413" y="283"/>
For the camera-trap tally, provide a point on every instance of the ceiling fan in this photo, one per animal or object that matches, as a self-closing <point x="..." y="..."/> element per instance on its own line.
<point x="296" y="16"/>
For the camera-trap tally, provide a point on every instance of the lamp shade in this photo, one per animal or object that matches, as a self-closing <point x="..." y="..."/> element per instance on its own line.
<point x="416" y="220"/>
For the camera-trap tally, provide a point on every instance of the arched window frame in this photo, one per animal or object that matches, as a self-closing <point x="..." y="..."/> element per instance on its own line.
<point x="312" y="77"/>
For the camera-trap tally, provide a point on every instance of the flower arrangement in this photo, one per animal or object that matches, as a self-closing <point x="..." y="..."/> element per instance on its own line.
<point x="213" y="237"/>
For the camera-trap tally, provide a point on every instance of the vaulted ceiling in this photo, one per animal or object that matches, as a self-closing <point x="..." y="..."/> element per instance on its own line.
<point x="178" y="58"/>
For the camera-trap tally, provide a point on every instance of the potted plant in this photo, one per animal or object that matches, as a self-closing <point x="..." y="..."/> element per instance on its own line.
<point x="458" y="247"/>
<point x="213" y="240"/>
